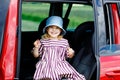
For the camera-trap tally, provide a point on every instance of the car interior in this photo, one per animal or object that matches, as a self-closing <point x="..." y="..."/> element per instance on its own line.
<point x="80" y="39"/>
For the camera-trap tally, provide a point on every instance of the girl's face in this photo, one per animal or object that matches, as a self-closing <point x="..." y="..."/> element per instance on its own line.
<point x="53" y="31"/>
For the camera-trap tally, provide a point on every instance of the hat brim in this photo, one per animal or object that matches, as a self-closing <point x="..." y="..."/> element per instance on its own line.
<point x="62" y="33"/>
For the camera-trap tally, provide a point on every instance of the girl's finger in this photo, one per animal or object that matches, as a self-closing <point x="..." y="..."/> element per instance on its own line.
<point x="37" y="43"/>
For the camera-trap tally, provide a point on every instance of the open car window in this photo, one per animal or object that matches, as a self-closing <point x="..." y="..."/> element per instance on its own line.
<point x="79" y="14"/>
<point x="34" y="13"/>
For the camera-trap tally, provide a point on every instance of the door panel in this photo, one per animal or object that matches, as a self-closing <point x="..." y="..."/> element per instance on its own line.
<point x="110" y="67"/>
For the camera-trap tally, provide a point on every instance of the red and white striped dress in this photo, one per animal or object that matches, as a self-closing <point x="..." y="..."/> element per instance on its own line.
<point x="53" y="64"/>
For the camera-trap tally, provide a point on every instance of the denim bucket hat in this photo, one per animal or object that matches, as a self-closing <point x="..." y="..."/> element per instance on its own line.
<point x="55" y="20"/>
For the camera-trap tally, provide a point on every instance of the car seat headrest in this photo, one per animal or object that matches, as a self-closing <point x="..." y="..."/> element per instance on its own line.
<point x="82" y="34"/>
<point x="41" y="26"/>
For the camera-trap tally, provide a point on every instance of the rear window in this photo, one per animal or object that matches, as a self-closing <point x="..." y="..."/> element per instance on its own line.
<point x="79" y="14"/>
<point x="33" y="13"/>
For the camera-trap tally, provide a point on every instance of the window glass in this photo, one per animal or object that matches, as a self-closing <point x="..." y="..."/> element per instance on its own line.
<point x="79" y="13"/>
<point x="112" y="23"/>
<point x="110" y="49"/>
<point x="32" y="14"/>
<point x="112" y="31"/>
<point x="108" y="24"/>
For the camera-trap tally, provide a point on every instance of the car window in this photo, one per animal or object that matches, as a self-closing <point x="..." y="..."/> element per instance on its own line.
<point x="112" y="18"/>
<point x="113" y="49"/>
<point x="79" y="14"/>
<point x="32" y="14"/>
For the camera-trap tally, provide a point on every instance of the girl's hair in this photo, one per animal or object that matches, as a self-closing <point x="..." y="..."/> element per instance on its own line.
<point x="47" y="36"/>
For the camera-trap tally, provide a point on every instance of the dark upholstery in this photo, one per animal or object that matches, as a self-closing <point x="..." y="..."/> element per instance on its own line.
<point x="41" y="26"/>
<point x="84" y="60"/>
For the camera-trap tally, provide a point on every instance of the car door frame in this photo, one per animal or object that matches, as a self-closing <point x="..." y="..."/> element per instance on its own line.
<point x="102" y="58"/>
<point x="99" y="32"/>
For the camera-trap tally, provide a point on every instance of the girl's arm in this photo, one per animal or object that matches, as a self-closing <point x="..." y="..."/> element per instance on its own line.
<point x="35" y="50"/>
<point x="70" y="52"/>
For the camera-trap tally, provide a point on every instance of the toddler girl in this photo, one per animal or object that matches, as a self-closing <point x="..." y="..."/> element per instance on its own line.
<point x="53" y="50"/>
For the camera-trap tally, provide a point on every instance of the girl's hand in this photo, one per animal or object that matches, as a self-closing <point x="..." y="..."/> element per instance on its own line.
<point x="35" y="49"/>
<point x="70" y="52"/>
<point x="37" y="44"/>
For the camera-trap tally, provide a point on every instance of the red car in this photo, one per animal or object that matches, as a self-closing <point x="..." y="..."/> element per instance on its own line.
<point x="93" y="31"/>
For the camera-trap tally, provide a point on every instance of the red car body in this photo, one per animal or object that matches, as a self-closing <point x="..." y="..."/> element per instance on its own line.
<point x="108" y="68"/>
<point x="9" y="49"/>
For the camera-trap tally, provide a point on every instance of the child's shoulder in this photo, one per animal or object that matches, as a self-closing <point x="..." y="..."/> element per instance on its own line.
<point x="64" y="39"/>
<point x="42" y="40"/>
<point x="60" y="40"/>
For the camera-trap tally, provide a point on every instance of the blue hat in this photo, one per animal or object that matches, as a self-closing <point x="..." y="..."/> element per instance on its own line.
<point x="55" y="20"/>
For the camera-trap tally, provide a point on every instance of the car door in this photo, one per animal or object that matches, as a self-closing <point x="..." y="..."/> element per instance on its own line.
<point x="109" y="52"/>
<point x="9" y="18"/>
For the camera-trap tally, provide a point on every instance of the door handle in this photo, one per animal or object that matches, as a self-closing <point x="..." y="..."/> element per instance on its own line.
<point x="115" y="73"/>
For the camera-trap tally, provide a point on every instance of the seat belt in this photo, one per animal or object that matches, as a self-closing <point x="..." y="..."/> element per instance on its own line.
<point x="66" y="20"/>
<point x="68" y="11"/>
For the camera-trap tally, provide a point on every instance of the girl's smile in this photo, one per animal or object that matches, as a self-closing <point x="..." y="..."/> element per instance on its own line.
<point x="54" y="31"/>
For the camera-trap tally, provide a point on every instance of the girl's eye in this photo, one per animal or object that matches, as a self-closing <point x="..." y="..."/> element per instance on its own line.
<point x="57" y="28"/>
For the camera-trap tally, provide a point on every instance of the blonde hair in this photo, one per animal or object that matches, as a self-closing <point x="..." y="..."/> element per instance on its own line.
<point x="47" y="36"/>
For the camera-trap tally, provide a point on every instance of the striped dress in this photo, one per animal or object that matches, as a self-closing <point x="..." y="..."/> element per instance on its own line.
<point x="53" y="64"/>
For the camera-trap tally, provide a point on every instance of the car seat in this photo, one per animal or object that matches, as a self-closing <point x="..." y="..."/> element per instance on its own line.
<point x="41" y="26"/>
<point x="84" y="60"/>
